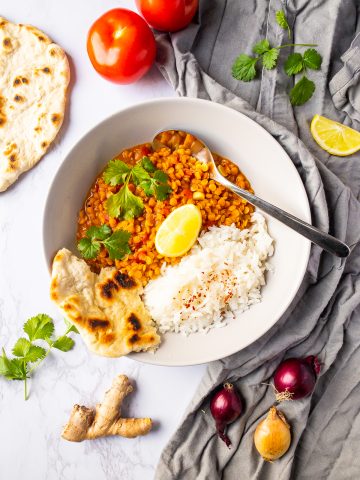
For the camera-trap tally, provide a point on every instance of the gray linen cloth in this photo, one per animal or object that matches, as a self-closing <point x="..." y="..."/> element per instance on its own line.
<point x="324" y="318"/>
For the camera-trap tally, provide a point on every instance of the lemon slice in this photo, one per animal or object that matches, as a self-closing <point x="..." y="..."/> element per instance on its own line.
<point x="179" y="231"/>
<point x="334" y="137"/>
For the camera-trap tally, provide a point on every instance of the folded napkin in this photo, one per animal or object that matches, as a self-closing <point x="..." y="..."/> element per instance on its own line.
<point x="324" y="318"/>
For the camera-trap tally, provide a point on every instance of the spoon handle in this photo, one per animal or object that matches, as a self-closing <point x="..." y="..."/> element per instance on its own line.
<point x="324" y="240"/>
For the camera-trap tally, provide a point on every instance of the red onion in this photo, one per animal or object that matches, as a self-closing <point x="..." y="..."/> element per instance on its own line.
<point x="296" y="377"/>
<point x="225" y="407"/>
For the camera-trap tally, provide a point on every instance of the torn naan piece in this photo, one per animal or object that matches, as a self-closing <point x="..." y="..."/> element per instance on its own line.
<point x="34" y="76"/>
<point x="106" y="308"/>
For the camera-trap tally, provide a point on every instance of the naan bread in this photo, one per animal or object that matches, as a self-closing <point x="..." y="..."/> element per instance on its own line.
<point x="106" y="308"/>
<point x="34" y="75"/>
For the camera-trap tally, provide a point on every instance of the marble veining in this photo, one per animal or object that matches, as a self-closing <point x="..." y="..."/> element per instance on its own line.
<point x="30" y="443"/>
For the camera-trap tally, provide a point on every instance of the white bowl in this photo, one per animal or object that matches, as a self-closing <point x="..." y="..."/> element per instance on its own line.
<point x="231" y="134"/>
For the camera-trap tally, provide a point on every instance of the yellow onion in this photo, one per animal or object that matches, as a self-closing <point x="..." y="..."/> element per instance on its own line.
<point x="272" y="435"/>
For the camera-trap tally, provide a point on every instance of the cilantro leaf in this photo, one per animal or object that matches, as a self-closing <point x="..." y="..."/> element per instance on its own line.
<point x="124" y="204"/>
<point x="39" y="327"/>
<point x="147" y="164"/>
<point x="162" y="191"/>
<point x="281" y="20"/>
<point x="139" y="174"/>
<point x="14" y="369"/>
<point x="312" y="59"/>
<point x="118" y="244"/>
<point x="98" y="233"/>
<point x="261" y="47"/>
<point x="294" y="64"/>
<point x="35" y="353"/>
<point x="161" y="176"/>
<point x="302" y="91"/>
<point x="21" y="347"/>
<point x="64" y="343"/>
<point x="269" y="58"/>
<point x="244" y="68"/>
<point x="70" y="326"/>
<point x="89" y="248"/>
<point x="116" y="172"/>
<point x="148" y="186"/>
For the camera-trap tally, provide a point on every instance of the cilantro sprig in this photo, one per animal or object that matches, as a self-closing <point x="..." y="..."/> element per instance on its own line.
<point x="244" y="66"/>
<point x="297" y="63"/>
<point x="281" y="20"/>
<point x="116" y="243"/>
<point x="28" y="355"/>
<point x="125" y="204"/>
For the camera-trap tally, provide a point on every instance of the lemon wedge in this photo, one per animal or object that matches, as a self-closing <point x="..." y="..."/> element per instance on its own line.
<point x="179" y="231"/>
<point x="334" y="137"/>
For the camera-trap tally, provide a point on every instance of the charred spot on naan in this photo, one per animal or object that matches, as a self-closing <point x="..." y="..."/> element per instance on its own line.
<point x="124" y="281"/>
<point x="7" y="43"/>
<point x="2" y="113"/>
<point x="46" y="70"/>
<point x="113" y="284"/>
<point x="19" y="99"/>
<point x="55" y="118"/>
<point x="44" y="144"/>
<point x="20" y="80"/>
<point x="136" y="342"/>
<point x="134" y="321"/>
<point x="40" y="35"/>
<point x="108" y="288"/>
<point x="98" y="324"/>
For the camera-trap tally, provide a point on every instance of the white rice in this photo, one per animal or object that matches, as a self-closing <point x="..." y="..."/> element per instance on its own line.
<point x="220" y="278"/>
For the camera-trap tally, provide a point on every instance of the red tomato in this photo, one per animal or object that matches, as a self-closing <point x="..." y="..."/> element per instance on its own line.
<point x="168" y="15"/>
<point x="121" y="46"/>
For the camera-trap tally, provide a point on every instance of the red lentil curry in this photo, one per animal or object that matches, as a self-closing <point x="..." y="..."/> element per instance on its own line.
<point x="190" y="183"/>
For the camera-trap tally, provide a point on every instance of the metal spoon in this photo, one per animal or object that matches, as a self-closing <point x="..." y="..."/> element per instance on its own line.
<point x="203" y="154"/>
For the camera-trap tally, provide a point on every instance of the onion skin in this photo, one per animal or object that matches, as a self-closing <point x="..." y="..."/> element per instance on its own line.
<point x="225" y="407"/>
<point x="296" y="376"/>
<point x="272" y="436"/>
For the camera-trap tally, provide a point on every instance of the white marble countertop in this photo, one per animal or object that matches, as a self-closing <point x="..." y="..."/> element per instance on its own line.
<point x="30" y="441"/>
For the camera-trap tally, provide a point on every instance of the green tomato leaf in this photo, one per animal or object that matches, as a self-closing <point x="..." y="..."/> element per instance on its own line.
<point x="261" y="47"/>
<point x="64" y="343"/>
<point x="98" y="233"/>
<point x="269" y="58"/>
<point x="302" y="91"/>
<point x="312" y="59"/>
<point x="118" y="244"/>
<point x="88" y="248"/>
<point x="147" y="164"/>
<point x="294" y="64"/>
<point x="35" y="353"/>
<point x="116" y="172"/>
<point x="244" y="68"/>
<point x="40" y="327"/>
<point x="162" y="191"/>
<point x="21" y="347"/>
<point x="124" y="204"/>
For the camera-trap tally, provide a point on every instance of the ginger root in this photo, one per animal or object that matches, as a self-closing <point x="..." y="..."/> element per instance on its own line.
<point x="88" y="423"/>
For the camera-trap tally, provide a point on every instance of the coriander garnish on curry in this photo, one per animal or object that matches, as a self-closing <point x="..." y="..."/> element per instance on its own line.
<point x="140" y="188"/>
